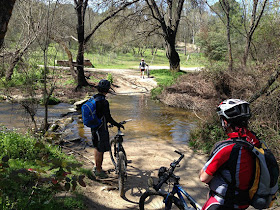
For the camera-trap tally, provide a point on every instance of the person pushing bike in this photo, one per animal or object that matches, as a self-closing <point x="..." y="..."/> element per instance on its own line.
<point x="229" y="174"/>
<point x="100" y="136"/>
<point x="142" y="67"/>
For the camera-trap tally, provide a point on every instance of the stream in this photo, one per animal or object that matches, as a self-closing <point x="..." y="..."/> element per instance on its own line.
<point x="150" y="120"/>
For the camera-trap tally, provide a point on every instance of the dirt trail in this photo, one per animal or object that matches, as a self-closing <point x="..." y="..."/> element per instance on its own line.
<point x="146" y="158"/>
<point x="128" y="81"/>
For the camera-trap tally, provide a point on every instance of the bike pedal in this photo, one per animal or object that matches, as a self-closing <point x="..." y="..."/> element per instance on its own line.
<point x="129" y="161"/>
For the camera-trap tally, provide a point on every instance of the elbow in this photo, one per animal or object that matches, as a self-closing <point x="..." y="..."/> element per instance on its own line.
<point x="204" y="177"/>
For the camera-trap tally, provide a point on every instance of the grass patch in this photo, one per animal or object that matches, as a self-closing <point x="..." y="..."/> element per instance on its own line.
<point x="33" y="172"/>
<point x="164" y="79"/>
<point x="117" y="60"/>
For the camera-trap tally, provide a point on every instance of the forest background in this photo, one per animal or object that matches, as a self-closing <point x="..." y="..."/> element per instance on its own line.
<point x="236" y="42"/>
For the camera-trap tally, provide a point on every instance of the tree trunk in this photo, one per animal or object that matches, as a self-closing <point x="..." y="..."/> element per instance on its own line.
<point x="246" y="52"/>
<point x="81" y="9"/>
<point x="17" y="57"/>
<point x="169" y="22"/>
<point x="172" y="55"/>
<point x="230" y="61"/>
<point x="254" y="24"/>
<point x="80" y="67"/>
<point x="70" y="58"/>
<point x="6" y="8"/>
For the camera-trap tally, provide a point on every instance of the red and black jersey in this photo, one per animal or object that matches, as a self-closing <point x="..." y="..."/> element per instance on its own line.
<point x="232" y="166"/>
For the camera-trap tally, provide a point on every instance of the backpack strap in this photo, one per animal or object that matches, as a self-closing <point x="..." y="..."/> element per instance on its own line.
<point x="243" y="142"/>
<point x="243" y="195"/>
<point x="231" y="165"/>
<point x="98" y="97"/>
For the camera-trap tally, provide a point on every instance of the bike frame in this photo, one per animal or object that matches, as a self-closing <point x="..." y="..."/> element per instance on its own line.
<point x="177" y="189"/>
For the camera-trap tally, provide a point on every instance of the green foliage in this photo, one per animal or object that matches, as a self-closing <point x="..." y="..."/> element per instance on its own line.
<point x="206" y="134"/>
<point x="164" y="79"/>
<point x="214" y="45"/>
<point x="32" y="172"/>
<point x="12" y="146"/>
<point x="62" y="203"/>
<point x="19" y="78"/>
<point x="52" y="101"/>
<point x="70" y="82"/>
<point x="110" y="78"/>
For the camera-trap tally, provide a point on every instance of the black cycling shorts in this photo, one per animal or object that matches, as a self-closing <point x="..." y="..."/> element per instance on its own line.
<point x="100" y="139"/>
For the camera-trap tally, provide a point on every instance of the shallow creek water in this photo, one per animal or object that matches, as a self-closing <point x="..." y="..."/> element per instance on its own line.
<point x="150" y="120"/>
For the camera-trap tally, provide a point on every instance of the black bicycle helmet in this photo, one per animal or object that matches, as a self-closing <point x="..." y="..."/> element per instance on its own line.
<point x="103" y="86"/>
<point x="234" y="109"/>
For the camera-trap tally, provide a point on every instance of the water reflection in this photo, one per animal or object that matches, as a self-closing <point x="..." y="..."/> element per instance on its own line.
<point x="14" y="116"/>
<point x="151" y="120"/>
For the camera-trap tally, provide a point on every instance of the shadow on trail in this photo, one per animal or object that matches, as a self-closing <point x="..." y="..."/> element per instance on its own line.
<point x="137" y="182"/>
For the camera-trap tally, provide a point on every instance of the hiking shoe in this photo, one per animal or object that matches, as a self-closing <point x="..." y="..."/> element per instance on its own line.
<point x="94" y="170"/>
<point x="101" y="174"/>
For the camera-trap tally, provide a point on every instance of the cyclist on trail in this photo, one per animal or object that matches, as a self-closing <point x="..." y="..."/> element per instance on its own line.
<point x="229" y="174"/>
<point x="100" y="136"/>
<point x="142" y="67"/>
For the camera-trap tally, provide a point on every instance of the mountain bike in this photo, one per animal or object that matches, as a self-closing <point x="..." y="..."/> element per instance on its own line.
<point x="156" y="198"/>
<point x="148" y="73"/>
<point x="118" y="157"/>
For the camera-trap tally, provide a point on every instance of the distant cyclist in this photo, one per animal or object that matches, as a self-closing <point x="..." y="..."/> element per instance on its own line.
<point x="230" y="168"/>
<point x="142" y="67"/>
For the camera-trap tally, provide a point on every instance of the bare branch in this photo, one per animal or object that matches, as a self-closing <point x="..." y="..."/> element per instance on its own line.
<point x="107" y="18"/>
<point x="264" y="89"/>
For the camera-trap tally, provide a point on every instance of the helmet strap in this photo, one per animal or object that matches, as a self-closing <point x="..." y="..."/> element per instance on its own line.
<point x="225" y="125"/>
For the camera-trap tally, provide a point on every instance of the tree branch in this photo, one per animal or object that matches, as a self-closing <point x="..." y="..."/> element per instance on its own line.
<point x="265" y="88"/>
<point x="107" y="18"/>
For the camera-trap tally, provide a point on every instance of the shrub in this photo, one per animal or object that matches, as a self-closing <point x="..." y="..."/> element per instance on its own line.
<point x="110" y="78"/>
<point x="206" y="134"/>
<point x="33" y="172"/>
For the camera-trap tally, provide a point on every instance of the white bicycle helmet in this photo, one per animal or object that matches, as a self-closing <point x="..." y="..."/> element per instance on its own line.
<point x="233" y="109"/>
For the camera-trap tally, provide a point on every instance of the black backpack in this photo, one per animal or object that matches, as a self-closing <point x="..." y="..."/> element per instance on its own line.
<point x="264" y="186"/>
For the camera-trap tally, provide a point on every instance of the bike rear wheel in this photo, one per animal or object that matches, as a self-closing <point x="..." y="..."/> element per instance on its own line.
<point x="122" y="172"/>
<point x="156" y="200"/>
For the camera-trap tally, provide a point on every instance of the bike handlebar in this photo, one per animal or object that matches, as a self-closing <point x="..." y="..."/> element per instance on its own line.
<point x="168" y="172"/>
<point x="122" y="122"/>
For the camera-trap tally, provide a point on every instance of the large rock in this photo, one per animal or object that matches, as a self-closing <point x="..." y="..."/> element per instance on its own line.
<point x="78" y="104"/>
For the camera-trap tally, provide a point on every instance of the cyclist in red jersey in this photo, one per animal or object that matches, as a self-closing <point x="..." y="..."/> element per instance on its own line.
<point x="230" y="168"/>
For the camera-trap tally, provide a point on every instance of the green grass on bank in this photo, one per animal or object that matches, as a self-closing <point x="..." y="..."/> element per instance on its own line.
<point x="164" y="79"/>
<point x="119" y="60"/>
<point x="33" y="172"/>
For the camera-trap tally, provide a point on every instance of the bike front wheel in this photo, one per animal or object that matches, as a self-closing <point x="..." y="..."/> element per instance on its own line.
<point x="122" y="172"/>
<point x="113" y="152"/>
<point x="157" y="200"/>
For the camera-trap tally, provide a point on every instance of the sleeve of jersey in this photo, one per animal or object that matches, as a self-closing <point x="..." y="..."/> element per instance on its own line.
<point x="107" y="114"/>
<point x="217" y="160"/>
